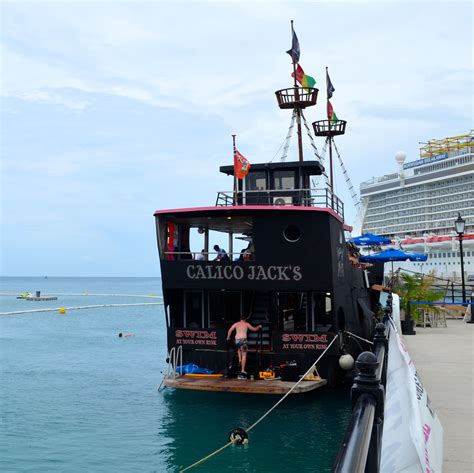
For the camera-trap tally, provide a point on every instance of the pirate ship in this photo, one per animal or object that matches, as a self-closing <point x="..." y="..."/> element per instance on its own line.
<point x="298" y="277"/>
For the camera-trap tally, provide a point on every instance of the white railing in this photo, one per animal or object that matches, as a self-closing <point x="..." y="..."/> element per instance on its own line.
<point x="175" y="357"/>
<point x="306" y="197"/>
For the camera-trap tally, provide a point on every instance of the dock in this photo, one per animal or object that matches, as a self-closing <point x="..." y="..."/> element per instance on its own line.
<point x="444" y="359"/>
<point x="245" y="386"/>
<point x="41" y="298"/>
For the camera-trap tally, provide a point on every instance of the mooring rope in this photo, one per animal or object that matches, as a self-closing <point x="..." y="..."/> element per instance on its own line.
<point x="55" y="309"/>
<point x="202" y="460"/>
<point x="357" y="336"/>
<point x="293" y="387"/>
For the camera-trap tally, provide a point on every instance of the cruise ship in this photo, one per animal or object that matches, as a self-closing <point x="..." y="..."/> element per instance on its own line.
<point x="416" y="206"/>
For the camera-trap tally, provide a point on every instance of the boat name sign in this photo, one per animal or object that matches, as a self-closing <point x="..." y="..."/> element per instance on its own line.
<point x="252" y="272"/>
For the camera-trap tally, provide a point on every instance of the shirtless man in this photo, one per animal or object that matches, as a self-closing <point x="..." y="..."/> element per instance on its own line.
<point x="241" y="328"/>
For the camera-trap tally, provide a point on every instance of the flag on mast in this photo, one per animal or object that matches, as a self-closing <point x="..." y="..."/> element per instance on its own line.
<point x="294" y="52"/>
<point x="306" y="81"/>
<point x="241" y="165"/>
<point x="331" y="88"/>
<point x="331" y="114"/>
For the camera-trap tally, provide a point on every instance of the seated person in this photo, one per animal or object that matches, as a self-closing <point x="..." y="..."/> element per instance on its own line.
<point x="221" y="254"/>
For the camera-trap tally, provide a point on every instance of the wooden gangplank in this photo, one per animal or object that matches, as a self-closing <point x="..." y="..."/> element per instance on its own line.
<point x="246" y="386"/>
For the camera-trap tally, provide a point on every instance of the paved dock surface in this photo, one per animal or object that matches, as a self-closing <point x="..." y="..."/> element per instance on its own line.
<point x="444" y="359"/>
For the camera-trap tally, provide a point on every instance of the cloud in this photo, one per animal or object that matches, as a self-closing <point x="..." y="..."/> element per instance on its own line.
<point x="112" y="110"/>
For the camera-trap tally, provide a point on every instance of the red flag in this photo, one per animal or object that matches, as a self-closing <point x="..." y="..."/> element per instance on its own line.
<point x="241" y="165"/>
<point x="331" y="115"/>
<point x="299" y="74"/>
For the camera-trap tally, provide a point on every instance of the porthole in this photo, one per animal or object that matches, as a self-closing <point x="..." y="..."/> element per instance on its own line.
<point x="292" y="233"/>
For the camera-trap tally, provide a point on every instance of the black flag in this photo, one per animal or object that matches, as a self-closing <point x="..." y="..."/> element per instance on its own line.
<point x="331" y="88"/>
<point x="294" y="52"/>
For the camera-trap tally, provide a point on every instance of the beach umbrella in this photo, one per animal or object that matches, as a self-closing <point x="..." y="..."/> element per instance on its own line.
<point x="369" y="239"/>
<point x="393" y="255"/>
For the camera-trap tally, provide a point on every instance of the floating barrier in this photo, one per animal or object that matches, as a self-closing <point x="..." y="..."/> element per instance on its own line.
<point x="54" y="309"/>
<point x="86" y="294"/>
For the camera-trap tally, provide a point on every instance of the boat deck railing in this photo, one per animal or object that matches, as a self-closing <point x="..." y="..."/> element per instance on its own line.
<point x="309" y="197"/>
<point x="362" y="444"/>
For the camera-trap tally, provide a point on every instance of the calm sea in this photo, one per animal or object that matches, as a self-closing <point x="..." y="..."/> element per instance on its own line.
<point x="76" y="398"/>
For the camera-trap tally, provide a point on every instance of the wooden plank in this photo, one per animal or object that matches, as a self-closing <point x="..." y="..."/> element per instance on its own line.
<point x="242" y="385"/>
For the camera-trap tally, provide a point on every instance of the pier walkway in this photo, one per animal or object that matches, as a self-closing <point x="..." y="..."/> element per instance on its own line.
<point x="444" y="359"/>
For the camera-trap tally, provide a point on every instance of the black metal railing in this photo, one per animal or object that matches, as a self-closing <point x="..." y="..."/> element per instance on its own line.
<point x="310" y="197"/>
<point x="361" y="447"/>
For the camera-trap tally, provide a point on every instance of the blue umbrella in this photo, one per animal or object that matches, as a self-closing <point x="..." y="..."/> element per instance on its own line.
<point x="393" y="255"/>
<point x="369" y="239"/>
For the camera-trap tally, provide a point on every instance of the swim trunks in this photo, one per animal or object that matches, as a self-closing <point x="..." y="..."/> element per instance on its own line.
<point x="241" y="343"/>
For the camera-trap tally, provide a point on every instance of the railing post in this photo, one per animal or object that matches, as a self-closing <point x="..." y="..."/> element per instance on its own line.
<point x="381" y="346"/>
<point x="367" y="382"/>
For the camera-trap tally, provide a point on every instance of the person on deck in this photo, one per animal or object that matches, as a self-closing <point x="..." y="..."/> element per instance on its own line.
<point x="200" y="256"/>
<point x="221" y="254"/>
<point x="241" y="329"/>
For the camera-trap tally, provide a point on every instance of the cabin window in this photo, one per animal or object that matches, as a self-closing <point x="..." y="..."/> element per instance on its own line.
<point x="177" y="242"/>
<point x="292" y="311"/>
<point x="225" y="308"/>
<point x="292" y="233"/>
<point x="256" y="181"/>
<point x="322" y="311"/>
<point x="284" y="180"/>
<point x="193" y="309"/>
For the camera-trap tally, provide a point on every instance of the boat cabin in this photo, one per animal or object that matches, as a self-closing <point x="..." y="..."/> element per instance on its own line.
<point x="286" y="267"/>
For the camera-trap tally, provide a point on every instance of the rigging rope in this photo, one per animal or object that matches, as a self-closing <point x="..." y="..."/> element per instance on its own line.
<point x="357" y="336"/>
<point x="288" y="136"/>
<point x="347" y="178"/>
<point x="325" y="149"/>
<point x="267" y="413"/>
<point x="316" y="152"/>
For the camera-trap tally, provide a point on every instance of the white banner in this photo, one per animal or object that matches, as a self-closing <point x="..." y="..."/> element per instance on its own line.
<point x="412" y="439"/>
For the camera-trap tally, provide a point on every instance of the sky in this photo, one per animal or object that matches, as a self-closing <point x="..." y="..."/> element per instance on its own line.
<point x="112" y="110"/>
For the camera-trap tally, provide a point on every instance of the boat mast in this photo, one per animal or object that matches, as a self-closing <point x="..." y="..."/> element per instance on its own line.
<point x="296" y="98"/>
<point x="330" y="128"/>
<point x="329" y="138"/>
<point x="297" y="109"/>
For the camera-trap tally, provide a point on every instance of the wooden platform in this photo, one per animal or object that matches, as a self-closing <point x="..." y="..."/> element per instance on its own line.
<point x="242" y="385"/>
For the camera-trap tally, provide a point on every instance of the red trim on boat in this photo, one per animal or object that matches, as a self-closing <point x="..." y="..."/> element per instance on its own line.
<point x="253" y="207"/>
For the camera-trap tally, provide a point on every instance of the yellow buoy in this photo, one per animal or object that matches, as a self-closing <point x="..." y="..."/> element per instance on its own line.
<point x="62" y="310"/>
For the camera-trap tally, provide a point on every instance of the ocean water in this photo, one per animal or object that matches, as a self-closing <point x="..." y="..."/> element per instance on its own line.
<point x="77" y="398"/>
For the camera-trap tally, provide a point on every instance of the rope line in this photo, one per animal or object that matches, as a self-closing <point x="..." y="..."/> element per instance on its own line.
<point x="293" y="387"/>
<point x="347" y="178"/>
<point x="86" y="294"/>
<point x="357" y="336"/>
<point x="319" y="157"/>
<point x="308" y="130"/>
<point x="267" y="413"/>
<point x="288" y="136"/>
<point x="55" y="309"/>
<point x="202" y="460"/>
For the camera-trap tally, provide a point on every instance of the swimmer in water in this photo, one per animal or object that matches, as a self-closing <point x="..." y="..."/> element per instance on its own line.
<point x="121" y="335"/>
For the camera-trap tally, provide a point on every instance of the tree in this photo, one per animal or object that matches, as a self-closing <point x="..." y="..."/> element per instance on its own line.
<point x="417" y="287"/>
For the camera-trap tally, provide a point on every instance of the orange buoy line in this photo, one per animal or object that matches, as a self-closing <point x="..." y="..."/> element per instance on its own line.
<point x="153" y="296"/>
